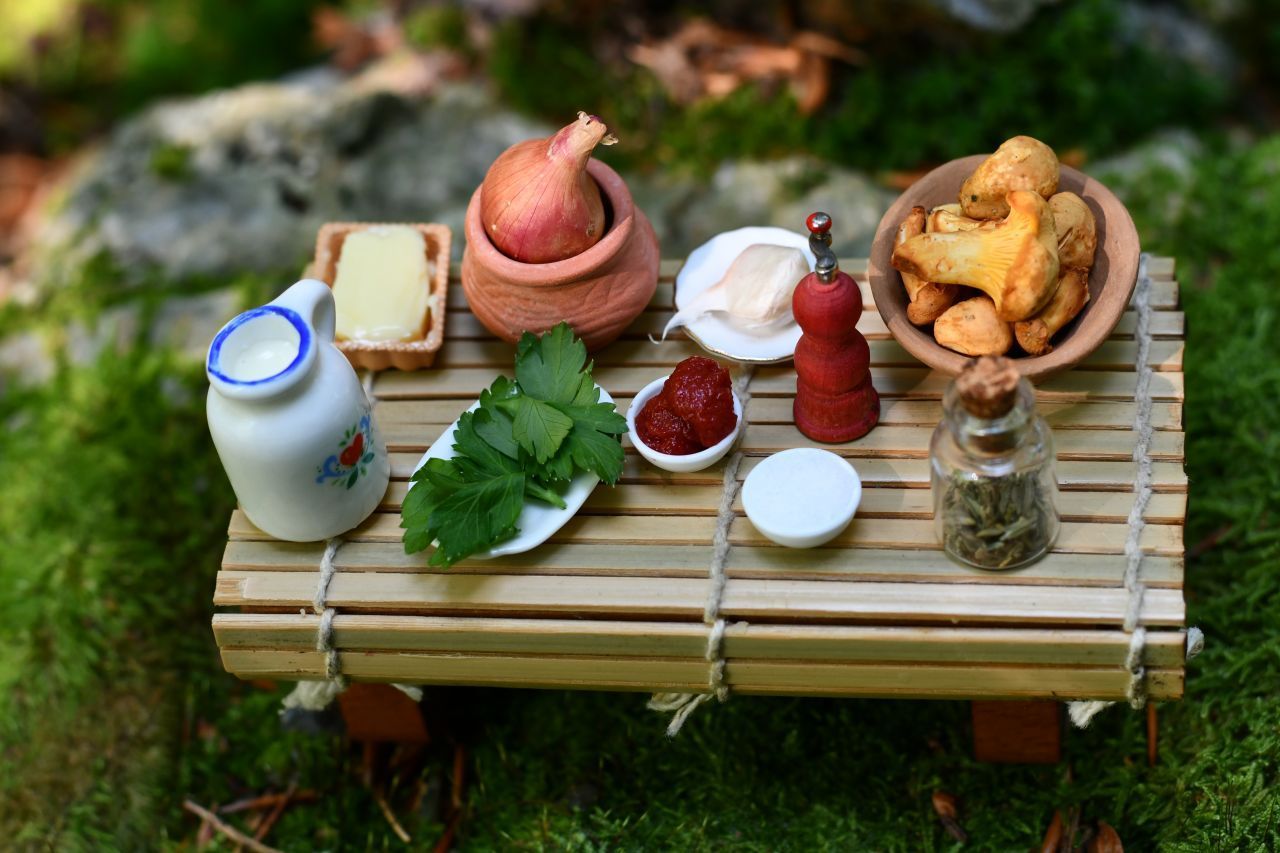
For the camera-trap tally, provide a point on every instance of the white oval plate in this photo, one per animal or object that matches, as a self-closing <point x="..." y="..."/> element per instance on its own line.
<point x="538" y="521"/>
<point x="706" y="265"/>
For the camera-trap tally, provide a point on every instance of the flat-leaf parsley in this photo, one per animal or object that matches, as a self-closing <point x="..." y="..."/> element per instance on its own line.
<point x="526" y="441"/>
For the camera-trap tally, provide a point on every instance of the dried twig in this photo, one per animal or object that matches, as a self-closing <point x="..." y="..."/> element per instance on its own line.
<point x="391" y="818"/>
<point x="274" y="815"/>
<point x="1072" y="828"/>
<point x="459" y="776"/>
<point x="267" y="801"/>
<point x="227" y="829"/>
<point x="446" y="838"/>
<point x="204" y="835"/>
<point x="1107" y="840"/>
<point x="1052" y="842"/>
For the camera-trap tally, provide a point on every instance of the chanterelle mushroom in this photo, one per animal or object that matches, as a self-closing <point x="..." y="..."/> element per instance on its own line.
<point x="928" y="300"/>
<point x="1076" y="229"/>
<point x="1068" y="301"/>
<point x="1020" y="163"/>
<point x="971" y="327"/>
<point x="1015" y="263"/>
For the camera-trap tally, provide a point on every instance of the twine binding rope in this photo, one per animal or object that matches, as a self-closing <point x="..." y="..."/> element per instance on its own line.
<point x="681" y="705"/>
<point x="1082" y="713"/>
<point x="324" y="633"/>
<point x="317" y="695"/>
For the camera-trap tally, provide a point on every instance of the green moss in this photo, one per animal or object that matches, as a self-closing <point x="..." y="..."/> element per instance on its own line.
<point x="171" y="162"/>
<point x="437" y="26"/>
<point x="113" y="505"/>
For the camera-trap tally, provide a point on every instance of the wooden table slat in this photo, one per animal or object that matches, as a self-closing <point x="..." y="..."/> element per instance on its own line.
<point x="850" y="644"/>
<point x="465" y="326"/>
<point x="1061" y="415"/>
<point x="909" y="473"/>
<point x="1163" y="294"/>
<point x="568" y="559"/>
<point x="745" y="677"/>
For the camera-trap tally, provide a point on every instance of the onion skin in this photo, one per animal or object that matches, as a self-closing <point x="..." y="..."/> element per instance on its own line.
<point x="537" y="202"/>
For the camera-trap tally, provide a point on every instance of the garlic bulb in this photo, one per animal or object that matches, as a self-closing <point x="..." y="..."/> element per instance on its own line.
<point x="755" y="291"/>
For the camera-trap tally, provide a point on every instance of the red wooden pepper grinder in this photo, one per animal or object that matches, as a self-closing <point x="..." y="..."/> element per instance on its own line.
<point x="835" y="400"/>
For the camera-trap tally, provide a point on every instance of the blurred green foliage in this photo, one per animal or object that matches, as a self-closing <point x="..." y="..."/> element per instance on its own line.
<point x="1066" y="78"/>
<point x="437" y="26"/>
<point x="94" y="62"/>
<point x="113" y="505"/>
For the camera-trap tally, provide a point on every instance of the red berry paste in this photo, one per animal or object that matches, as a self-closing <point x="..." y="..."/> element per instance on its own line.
<point x="693" y="412"/>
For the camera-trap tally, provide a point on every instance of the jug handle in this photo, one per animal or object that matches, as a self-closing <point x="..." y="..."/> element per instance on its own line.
<point x="312" y="299"/>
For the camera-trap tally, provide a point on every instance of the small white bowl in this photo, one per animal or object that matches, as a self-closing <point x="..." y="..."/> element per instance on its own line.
<point x="688" y="462"/>
<point x="803" y="497"/>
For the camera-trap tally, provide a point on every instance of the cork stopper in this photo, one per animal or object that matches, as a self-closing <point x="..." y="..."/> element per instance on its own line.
<point x="988" y="386"/>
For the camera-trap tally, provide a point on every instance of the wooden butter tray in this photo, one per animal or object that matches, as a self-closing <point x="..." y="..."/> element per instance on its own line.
<point x="615" y="599"/>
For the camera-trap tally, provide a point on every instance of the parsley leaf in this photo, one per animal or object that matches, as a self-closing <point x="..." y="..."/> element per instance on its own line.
<point x="474" y="452"/>
<point x="476" y="516"/>
<point x="539" y="427"/>
<point x="596" y="452"/>
<point x="495" y="426"/>
<point x="550" y="367"/>
<point x="598" y="416"/>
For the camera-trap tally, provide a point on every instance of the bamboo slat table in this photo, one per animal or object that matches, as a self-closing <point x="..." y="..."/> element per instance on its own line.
<point x="615" y="600"/>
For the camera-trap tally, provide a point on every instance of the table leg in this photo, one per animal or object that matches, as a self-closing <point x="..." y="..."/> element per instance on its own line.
<point x="1017" y="732"/>
<point x="381" y="713"/>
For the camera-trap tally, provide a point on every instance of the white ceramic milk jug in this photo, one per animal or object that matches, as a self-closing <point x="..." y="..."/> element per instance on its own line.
<point x="290" y="421"/>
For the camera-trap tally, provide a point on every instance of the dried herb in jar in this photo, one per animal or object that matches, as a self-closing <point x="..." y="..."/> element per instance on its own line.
<point x="997" y="522"/>
<point x="991" y="463"/>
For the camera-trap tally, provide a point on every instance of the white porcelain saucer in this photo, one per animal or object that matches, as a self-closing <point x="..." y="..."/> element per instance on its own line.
<point x="705" y="266"/>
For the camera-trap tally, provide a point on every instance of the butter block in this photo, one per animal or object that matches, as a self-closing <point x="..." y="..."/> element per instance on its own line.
<point x="381" y="286"/>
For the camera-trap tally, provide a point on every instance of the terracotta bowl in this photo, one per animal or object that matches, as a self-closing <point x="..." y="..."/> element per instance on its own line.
<point x="1111" y="281"/>
<point x="598" y="292"/>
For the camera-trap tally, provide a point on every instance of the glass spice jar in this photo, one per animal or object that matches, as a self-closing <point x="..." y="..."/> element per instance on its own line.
<point x="991" y="459"/>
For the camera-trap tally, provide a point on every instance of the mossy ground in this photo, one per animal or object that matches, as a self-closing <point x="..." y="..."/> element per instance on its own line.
<point x="113" y="705"/>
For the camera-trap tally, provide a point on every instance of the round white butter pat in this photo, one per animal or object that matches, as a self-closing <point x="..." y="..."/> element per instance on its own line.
<point x="802" y="497"/>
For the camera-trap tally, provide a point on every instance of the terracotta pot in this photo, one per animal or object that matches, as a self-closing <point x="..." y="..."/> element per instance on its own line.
<point x="599" y="292"/>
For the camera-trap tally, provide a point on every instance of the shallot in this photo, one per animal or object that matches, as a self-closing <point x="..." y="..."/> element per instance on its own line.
<point x="538" y="203"/>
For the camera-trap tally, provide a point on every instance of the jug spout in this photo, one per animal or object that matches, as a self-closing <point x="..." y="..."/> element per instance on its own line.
<point x="269" y="349"/>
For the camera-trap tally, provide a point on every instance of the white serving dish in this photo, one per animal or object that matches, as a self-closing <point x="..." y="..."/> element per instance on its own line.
<point x="670" y="462"/>
<point x="705" y="266"/>
<point x="538" y="521"/>
<point x="803" y="497"/>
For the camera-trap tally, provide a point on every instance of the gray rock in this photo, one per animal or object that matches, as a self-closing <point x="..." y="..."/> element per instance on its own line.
<point x="997" y="16"/>
<point x="187" y="324"/>
<point x="780" y="192"/>
<point x="24" y="360"/>
<point x="240" y="180"/>
<point x="1169" y="32"/>
<point x="1164" y="164"/>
